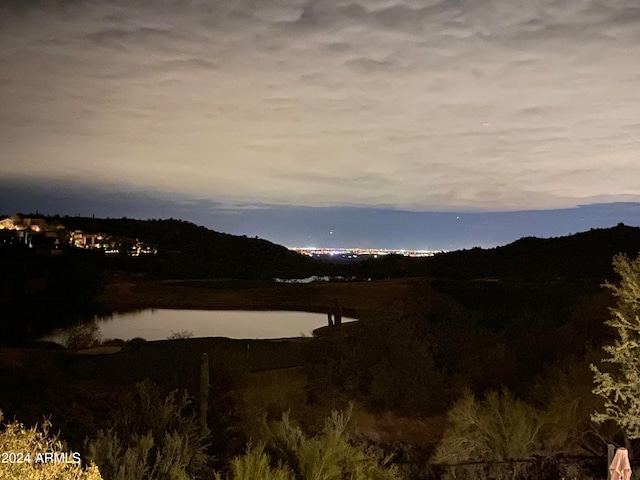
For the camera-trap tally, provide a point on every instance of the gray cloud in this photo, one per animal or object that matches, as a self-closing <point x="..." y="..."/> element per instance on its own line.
<point x="495" y="104"/>
<point x="118" y="34"/>
<point x="367" y="65"/>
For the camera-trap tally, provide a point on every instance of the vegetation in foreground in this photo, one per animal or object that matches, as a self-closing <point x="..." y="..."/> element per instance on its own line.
<point x="34" y="454"/>
<point x="151" y="437"/>
<point x="288" y="453"/>
<point x="620" y="386"/>
<point x="517" y="392"/>
<point x="156" y="438"/>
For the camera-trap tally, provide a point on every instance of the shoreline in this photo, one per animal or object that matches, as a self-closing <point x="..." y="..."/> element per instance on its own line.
<point x="351" y="299"/>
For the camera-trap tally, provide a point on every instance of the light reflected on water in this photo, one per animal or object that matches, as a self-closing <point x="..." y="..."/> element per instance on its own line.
<point x="159" y="324"/>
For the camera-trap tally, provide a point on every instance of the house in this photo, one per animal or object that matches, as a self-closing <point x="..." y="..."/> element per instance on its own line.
<point x="7" y="224"/>
<point x="33" y="232"/>
<point x="81" y="239"/>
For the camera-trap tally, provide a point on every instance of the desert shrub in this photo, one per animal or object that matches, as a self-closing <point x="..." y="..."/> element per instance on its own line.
<point x="84" y="335"/>
<point x="329" y="455"/>
<point x="564" y="393"/>
<point x="151" y="437"/>
<point x="497" y="428"/>
<point x="35" y="442"/>
<point x="182" y="334"/>
<point x="620" y="386"/>
<point x="501" y="436"/>
<point x="256" y="464"/>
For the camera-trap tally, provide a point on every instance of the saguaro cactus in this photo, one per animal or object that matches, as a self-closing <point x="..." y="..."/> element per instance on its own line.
<point x="204" y="391"/>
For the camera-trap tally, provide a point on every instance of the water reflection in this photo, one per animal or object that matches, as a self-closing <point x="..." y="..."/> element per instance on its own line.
<point x="159" y="324"/>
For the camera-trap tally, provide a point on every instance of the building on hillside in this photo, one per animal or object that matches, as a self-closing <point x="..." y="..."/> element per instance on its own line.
<point x="13" y="233"/>
<point x="111" y="244"/>
<point x="34" y="224"/>
<point x="7" y="224"/>
<point x="32" y="232"/>
<point x="123" y="245"/>
<point x="86" y="240"/>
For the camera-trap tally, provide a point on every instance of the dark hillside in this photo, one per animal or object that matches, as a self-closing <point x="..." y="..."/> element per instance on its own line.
<point x="186" y="250"/>
<point x="532" y="283"/>
<point x="585" y="255"/>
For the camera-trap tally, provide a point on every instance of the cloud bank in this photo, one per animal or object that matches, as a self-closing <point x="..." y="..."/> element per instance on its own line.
<point x="312" y="226"/>
<point x="401" y="104"/>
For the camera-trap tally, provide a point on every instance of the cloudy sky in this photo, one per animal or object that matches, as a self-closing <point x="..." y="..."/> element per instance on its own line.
<point x="290" y="119"/>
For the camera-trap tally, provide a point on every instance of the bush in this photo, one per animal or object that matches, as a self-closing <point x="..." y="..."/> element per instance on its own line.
<point x="501" y="437"/>
<point x="180" y="335"/>
<point x="498" y="428"/>
<point x="564" y="392"/>
<point x="620" y="387"/>
<point x="330" y="455"/>
<point x="256" y="464"/>
<point x="31" y="445"/>
<point x="150" y="437"/>
<point x="83" y="335"/>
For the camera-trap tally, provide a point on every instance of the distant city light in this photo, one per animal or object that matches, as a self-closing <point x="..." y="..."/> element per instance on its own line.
<point x="356" y="252"/>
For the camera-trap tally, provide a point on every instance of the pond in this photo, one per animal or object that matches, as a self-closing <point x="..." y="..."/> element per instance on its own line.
<point x="159" y="324"/>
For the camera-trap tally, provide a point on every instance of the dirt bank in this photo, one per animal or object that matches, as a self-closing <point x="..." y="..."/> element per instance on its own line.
<point x="399" y="296"/>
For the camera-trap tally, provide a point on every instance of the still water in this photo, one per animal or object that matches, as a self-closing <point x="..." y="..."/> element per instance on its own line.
<point x="158" y="324"/>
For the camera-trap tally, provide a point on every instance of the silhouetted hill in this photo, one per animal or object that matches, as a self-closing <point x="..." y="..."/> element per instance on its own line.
<point x="187" y="250"/>
<point x="585" y="255"/>
<point x="582" y="255"/>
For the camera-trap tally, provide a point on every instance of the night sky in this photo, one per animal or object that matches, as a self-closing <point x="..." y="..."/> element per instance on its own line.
<point x="383" y="123"/>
